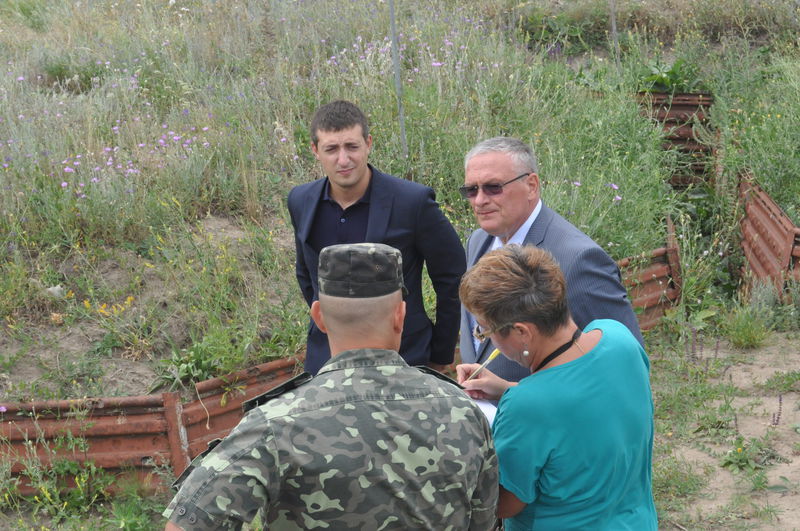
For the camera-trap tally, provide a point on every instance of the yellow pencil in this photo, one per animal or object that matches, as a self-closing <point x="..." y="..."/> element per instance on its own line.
<point x="492" y="356"/>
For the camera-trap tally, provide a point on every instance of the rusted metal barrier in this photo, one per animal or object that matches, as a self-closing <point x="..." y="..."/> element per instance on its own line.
<point x="794" y="267"/>
<point x="132" y="436"/>
<point x="682" y="116"/>
<point x="653" y="280"/>
<point x="680" y="107"/>
<point x="219" y="408"/>
<point x="770" y="241"/>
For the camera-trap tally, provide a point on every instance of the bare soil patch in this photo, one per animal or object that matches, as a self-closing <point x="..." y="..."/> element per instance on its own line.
<point x="731" y="500"/>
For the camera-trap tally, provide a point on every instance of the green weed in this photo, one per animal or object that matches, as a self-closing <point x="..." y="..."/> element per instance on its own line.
<point x="133" y="510"/>
<point x="680" y="76"/>
<point x="67" y="487"/>
<point x="750" y="455"/>
<point x="676" y="482"/>
<point x="193" y="365"/>
<point x="782" y="382"/>
<point x="747" y="327"/>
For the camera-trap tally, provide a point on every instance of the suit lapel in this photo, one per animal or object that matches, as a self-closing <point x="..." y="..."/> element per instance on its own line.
<point x="482" y="350"/>
<point x="538" y="230"/>
<point x="380" y="207"/>
<point x="482" y="242"/>
<point x="307" y="216"/>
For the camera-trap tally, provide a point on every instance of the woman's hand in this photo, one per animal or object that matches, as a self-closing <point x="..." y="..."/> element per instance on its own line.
<point x="486" y="385"/>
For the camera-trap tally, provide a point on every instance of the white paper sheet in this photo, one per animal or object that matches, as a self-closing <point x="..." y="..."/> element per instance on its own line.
<point x="488" y="408"/>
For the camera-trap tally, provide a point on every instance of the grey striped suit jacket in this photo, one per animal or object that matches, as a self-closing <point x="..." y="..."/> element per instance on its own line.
<point x="594" y="285"/>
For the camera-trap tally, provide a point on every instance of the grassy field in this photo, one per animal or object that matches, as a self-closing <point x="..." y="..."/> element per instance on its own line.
<point x="146" y="150"/>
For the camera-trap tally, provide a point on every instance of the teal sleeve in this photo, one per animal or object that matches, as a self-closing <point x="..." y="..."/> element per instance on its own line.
<point x="522" y="448"/>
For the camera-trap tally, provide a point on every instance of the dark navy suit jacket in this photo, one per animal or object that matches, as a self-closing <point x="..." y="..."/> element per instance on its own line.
<point x="594" y="285"/>
<point x="405" y="215"/>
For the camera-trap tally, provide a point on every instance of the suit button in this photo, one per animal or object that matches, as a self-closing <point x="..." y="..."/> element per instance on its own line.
<point x="192" y="518"/>
<point x="181" y="511"/>
<point x="342" y="220"/>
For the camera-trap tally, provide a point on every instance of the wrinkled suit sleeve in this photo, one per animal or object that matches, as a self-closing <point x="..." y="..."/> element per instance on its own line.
<point x="595" y="291"/>
<point x="301" y="269"/>
<point x="440" y="247"/>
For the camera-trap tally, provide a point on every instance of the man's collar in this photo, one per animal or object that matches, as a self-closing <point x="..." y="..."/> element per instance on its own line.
<point x="326" y="190"/>
<point x="519" y="236"/>
<point x="362" y="357"/>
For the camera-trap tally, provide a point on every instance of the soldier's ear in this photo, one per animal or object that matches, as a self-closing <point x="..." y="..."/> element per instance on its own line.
<point x="316" y="315"/>
<point x="399" y="316"/>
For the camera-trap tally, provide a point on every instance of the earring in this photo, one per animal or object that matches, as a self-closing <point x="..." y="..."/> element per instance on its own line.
<point x="525" y="352"/>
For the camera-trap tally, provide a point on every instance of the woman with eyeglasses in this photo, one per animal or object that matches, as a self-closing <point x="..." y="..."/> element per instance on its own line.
<point x="574" y="439"/>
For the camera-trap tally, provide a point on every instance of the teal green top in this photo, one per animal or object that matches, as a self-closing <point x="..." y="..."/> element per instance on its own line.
<point x="575" y="441"/>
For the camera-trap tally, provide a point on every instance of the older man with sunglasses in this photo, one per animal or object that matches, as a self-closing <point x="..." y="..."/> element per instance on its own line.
<point x="502" y="186"/>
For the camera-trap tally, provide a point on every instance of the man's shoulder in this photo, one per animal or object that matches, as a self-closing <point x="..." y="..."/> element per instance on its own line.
<point x="294" y="397"/>
<point x="304" y="188"/>
<point x="404" y="185"/>
<point x="291" y="384"/>
<point x="563" y="234"/>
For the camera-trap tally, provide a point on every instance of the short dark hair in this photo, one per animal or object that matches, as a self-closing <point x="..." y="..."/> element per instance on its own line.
<point x="517" y="284"/>
<point x="337" y="116"/>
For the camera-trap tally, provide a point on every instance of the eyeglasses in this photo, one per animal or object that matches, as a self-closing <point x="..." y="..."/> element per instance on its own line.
<point x="471" y="192"/>
<point x="481" y="334"/>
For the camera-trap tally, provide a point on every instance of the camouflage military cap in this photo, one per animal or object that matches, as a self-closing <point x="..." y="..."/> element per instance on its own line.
<point x="360" y="270"/>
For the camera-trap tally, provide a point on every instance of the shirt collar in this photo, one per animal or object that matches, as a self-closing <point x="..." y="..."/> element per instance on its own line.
<point x="326" y="195"/>
<point x="362" y="357"/>
<point x="519" y="236"/>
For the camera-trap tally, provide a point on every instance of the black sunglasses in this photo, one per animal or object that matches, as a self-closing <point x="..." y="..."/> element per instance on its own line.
<point x="471" y="192"/>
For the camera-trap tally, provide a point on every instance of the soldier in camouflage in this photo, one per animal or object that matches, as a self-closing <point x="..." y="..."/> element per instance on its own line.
<point x="369" y="443"/>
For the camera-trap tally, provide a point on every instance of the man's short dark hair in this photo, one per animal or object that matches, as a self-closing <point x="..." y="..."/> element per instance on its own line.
<point x="338" y="116"/>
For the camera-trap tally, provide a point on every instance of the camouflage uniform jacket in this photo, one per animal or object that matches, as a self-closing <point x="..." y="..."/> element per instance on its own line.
<point x="369" y="443"/>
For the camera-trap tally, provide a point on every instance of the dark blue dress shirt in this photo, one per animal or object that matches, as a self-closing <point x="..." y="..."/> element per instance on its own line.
<point x="334" y="225"/>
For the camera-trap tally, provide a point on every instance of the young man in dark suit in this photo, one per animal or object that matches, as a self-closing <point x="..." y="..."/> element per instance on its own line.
<point x="355" y="203"/>
<point x="502" y="186"/>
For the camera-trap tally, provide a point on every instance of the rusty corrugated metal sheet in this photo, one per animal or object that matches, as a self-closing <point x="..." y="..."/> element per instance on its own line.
<point x="651" y="286"/>
<point x="795" y="266"/>
<point x="219" y="408"/>
<point x="653" y="280"/>
<point x="680" y="115"/>
<point x="768" y="234"/>
<point x="134" y="435"/>
<point x="676" y="108"/>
